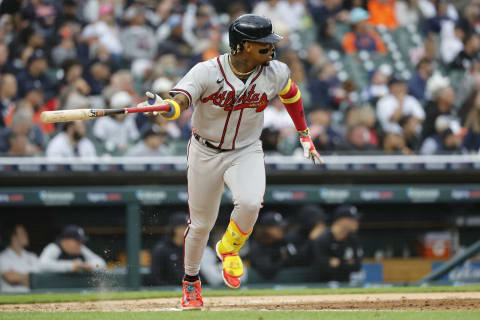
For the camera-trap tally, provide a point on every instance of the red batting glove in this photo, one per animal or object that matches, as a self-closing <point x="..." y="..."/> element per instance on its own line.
<point x="309" y="150"/>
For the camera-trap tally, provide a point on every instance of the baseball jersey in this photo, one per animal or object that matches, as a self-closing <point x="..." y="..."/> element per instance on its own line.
<point x="228" y="112"/>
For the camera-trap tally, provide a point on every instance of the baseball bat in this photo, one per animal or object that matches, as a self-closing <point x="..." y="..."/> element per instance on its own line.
<point x="84" y="114"/>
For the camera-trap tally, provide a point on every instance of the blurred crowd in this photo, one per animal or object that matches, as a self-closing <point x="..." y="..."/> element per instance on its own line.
<point x="323" y="244"/>
<point x="364" y="90"/>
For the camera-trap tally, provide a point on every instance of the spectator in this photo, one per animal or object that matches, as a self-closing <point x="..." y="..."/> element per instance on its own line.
<point x="418" y="83"/>
<point x="395" y="143"/>
<point x="395" y="105"/>
<point x="8" y="92"/>
<point x="364" y="116"/>
<point x="119" y="131"/>
<point x="16" y="264"/>
<point x="152" y="144"/>
<point x="103" y="32"/>
<point x="442" y="103"/>
<point x="197" y="23"/>
<point x="97" y="76"/>
<point x="382" y="13"/>
<point x="23" y="137"/>
<point x="170" y="38"/>
<point x="328" y="9"/>
<point x="288" y="12"/>
<point x="138" y="39"/>
<point x="270" y="140"/>
<point x="5" y="65"/>
<point x="325" y="87"/>
<point x="471" y="142"/>
<point x="337" y="253"/>
<point x="451" y="41"/>
<point x="276" y="117"/>
<point x="69" y="253"/>
<point x="327" y="37"/>
<point x="357" y="140"/>
<point x="167" y="255"/>
<point x="324" y="135"/>
<point x="362" y="37"/>
<point x="407" y="12"/>
<point x="34" y="76"/>
<point x="315" y="57"/>
<point x="464" y="60"/>
<point x="309" y="224"/>
<point x="442" y="13"/>
<point x="378" y="85"/>
<point x="65" y="49"/>
<point x="71" y="142"/>
<point x="441" y="143"/>
<point x="269" y="252"/>
<point x="411" y="133"/>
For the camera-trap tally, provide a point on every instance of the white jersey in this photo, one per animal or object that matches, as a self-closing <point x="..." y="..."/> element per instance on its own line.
<point x="228" y="112"/>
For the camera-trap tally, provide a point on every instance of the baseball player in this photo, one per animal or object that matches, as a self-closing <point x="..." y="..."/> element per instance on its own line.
<point x="228" y="94"/>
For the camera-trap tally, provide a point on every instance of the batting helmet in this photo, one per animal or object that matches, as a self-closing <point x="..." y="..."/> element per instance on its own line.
<point x="251" y="27"/>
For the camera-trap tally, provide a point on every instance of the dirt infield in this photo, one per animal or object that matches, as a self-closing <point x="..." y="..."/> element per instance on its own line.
<point x="386" y="301"/>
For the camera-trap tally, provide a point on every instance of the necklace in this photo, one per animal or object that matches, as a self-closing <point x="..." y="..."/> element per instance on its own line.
<point x="238" y="73"/>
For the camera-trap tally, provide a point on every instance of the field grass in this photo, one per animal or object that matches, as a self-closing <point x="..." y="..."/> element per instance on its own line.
<point x="245" y="315"/>
<point x="72" y="297"/>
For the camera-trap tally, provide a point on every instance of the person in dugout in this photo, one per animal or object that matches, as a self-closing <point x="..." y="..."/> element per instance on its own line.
<point x="337" y="252"/>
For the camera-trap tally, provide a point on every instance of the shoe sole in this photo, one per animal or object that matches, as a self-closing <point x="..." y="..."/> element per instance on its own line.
<point x="223" y="276"/>
<point x="191" y="308"/>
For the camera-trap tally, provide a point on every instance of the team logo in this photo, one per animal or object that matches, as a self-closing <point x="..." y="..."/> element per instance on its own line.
<point x="228" y="102"/>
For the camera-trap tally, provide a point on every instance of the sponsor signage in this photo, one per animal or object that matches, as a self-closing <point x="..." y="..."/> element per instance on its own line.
<point x="289" y="195"/>
<point x="423" y="194"/>
<point x="151" y="196"/>
<point x="11" y="197"/>
<point x="96" y="197"/>
<point x="56" y="197"/>
<point x="465" y="194"/>
<point x="182" y="195"/>
<point x="334" y="195"/>
<point x="369" y="195"/>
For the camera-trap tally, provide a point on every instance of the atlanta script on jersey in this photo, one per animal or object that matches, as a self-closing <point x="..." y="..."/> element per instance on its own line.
<point x="227" y="111"/>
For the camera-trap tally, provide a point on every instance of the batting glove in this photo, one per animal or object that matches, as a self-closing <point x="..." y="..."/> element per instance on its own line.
<point x="309" y="150"/>
<point x="152" y="100"/>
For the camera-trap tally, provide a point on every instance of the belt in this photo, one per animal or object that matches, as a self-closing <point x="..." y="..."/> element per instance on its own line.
<point x="208" y="144"/>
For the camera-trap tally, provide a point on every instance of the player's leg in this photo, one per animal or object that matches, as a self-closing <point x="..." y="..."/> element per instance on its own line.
<point x="246" y="180"/>
<point x="205" y="188"/>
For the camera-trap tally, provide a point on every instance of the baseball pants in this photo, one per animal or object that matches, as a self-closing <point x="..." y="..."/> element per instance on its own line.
<point x="242" y="170"/>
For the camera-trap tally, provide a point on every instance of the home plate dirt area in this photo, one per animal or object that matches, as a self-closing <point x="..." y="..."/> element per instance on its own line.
<point x="381" y="301"/>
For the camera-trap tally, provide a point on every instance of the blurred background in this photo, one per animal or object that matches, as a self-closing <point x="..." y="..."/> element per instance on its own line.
<point x="391" y="94"/>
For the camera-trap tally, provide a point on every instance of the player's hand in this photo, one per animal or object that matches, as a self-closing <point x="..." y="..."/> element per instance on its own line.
<point x="152" y="100"/>
<point x="77" y="265"/>
<point x="309" y="150"/>
<point x="87" y="267"/>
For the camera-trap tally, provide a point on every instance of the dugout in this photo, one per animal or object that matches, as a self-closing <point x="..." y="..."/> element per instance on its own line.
<point x="124" y="204"/>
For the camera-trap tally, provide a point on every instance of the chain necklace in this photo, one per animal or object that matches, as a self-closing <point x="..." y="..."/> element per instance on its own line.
<point x="238" y="73"/>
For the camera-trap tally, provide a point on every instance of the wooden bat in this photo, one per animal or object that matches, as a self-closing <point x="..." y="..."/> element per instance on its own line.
<point x="84" y="114"/>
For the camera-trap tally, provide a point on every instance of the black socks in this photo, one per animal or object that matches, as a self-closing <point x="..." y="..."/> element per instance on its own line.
<point x="191" y="278"/>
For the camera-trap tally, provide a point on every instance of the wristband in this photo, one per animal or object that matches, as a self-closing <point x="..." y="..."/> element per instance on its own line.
<point x="174" y="113"/>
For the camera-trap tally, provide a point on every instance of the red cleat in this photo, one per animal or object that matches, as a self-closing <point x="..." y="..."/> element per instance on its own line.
<point x="232" y="268"/>
<point x="192" y="295"/>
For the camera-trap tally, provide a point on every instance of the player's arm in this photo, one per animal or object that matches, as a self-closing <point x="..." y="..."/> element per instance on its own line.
<point x="292" y="100"/>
